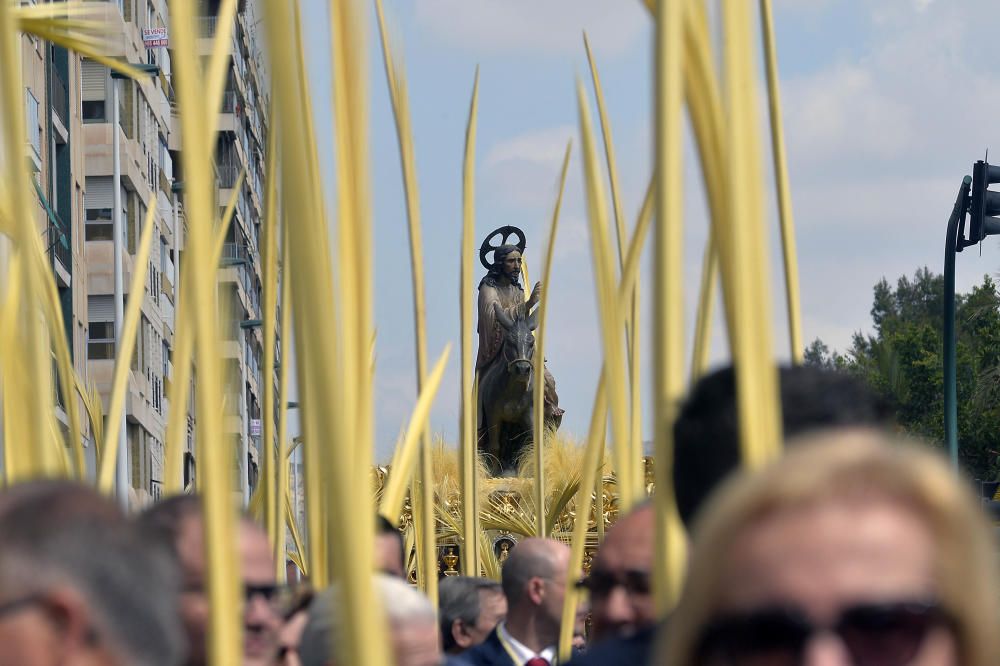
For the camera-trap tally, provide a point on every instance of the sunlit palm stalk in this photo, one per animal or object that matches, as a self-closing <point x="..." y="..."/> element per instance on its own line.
<point x="538" y="359"/>
<point x="591" y="464"/>
<point x="293" y="528"/>
<point x="199" y="100"/>
<point x="631" y="475"/>
<point x="396" y="79"/>
<point x="322" y="376"/>
<point x="708" y="122"/>
<point x="703" y="318"/>
<point x="94" y="407"/>
<point x="351" y="226"/>
<point x="668" y="317"/>
<point x="322" y="455"/>
<point x="53" y="22"/>
<point x="271" y="465"/>
<point x="782" y="184"/>
<point x="35" y="404"/>
<point x="609" y="306"/>
<point x="125" y="346"/>
<point x="66" y="24"/>
<point x="282" y="462"/>
<point x="17" y="461"/>
<point x="468" y="446"/>
<point x="756" y="375"/>
<point x="483" y="560"/>
<point x="180" y="385"/>
<point x="349" y="30"/>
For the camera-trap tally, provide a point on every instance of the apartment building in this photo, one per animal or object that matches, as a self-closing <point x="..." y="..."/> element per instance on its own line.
<point x="146" y="181"/>
<point x="150" y="177"/>
<point x="240" y="150"/>
<point x="54" y="152"/>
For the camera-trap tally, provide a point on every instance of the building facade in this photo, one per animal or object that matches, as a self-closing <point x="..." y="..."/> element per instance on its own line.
<point x="150" y="177"/>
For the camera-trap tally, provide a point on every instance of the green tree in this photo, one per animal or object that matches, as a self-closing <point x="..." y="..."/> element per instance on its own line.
<point x="902" y="360"/>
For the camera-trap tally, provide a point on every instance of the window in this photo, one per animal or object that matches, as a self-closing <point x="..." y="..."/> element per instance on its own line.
<point x="34" y="129"/>
<point x="94" y="111"/>
<point x="94" y="88"/>
<point x="101" y="340"/>
<point x="99" y="225"/>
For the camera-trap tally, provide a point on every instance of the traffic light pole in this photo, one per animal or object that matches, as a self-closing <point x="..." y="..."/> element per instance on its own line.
<point x="950" y="376"/>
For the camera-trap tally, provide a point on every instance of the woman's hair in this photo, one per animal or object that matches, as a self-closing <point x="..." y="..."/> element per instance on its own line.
<point x="852" y="464"/>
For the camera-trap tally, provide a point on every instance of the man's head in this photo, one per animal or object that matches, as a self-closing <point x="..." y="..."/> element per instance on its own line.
<point x="410" y="617"/>
<point x="389" y="556"/>
<point x="706" y="433"/>
<point x="468" y="610"/>
<point x="507" y="262"/>
<point x="77" y="585"/>
<point x="177" y="524"/>
<point x="619" y="582"/>
<point x="534" y="582"/>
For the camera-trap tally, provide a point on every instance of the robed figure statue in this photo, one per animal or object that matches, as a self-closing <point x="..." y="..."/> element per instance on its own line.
<point x="504" y="361"/>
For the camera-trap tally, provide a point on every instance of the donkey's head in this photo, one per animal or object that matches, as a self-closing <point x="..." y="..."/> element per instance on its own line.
<point x="519" y="342"/>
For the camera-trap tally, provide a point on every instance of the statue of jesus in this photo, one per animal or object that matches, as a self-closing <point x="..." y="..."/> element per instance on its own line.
<point x="506" y="318"/>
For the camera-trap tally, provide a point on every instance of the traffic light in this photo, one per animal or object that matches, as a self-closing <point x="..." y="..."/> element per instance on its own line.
<point x="985" y="203"/>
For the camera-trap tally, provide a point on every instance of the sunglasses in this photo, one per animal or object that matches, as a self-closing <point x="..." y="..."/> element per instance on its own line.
<point x="602" y="583"/>
<point x="881" y="634"/>
<point x="282" y="598"/>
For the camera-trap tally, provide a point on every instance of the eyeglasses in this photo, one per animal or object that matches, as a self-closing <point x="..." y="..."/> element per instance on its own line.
<point x="602" y="583"/>
<point x="882" y="634"/>
<point x="10" y="607"/>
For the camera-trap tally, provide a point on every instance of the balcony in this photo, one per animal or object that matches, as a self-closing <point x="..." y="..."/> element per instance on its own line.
<point x="235" y="253"/>
<point x="229" y="101"/>
<point x="207" y="25"/>
<point x="228" y="175"/>
<point x="60" y="97"/>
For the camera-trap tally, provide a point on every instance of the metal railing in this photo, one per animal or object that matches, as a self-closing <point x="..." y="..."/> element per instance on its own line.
<point x="234" y="252"/>
<point x="228" y="175"/>
<point x="60" y="97"/>
<point x="59" y="246"/>
<point x="229" y="100"/>
<point x="207" y="25"/>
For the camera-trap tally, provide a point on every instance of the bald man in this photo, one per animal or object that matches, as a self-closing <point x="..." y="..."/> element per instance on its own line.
<point x="534" y="582"/>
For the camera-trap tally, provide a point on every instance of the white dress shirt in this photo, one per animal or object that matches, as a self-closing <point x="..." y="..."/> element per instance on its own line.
<point x="520" y="652"/>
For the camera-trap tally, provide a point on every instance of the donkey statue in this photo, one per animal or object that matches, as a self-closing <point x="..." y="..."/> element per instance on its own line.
<point x="506" y="389"/>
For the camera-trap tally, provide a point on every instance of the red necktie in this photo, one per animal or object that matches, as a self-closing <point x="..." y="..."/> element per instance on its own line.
<point x="537" y="661"/>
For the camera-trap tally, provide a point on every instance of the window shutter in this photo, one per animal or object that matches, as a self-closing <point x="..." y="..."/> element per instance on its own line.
<point x="99" y="192"/>
<point x="101" y="308"/>
<point x="94" y="81"/>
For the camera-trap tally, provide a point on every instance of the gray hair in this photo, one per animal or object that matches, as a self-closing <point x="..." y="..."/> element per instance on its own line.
<point x="401" y="603"/>
<point x="64" y="534"/>
<point x="458" y="599"/>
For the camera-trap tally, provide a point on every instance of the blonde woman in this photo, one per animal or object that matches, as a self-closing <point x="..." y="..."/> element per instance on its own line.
<point x="853" y="550"/>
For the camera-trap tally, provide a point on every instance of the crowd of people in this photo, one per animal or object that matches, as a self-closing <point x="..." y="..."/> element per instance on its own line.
<point x="856" y="548"/>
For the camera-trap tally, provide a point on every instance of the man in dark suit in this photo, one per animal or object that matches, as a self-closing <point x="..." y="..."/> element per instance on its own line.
<point x="534" y="582"/>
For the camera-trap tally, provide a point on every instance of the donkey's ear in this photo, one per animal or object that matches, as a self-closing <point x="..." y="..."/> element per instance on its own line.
<point x="533" y="320"/>
<point x="505" y="319"/>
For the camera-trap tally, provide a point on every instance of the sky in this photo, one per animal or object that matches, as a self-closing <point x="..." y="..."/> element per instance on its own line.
<point x="886" y="106"/>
